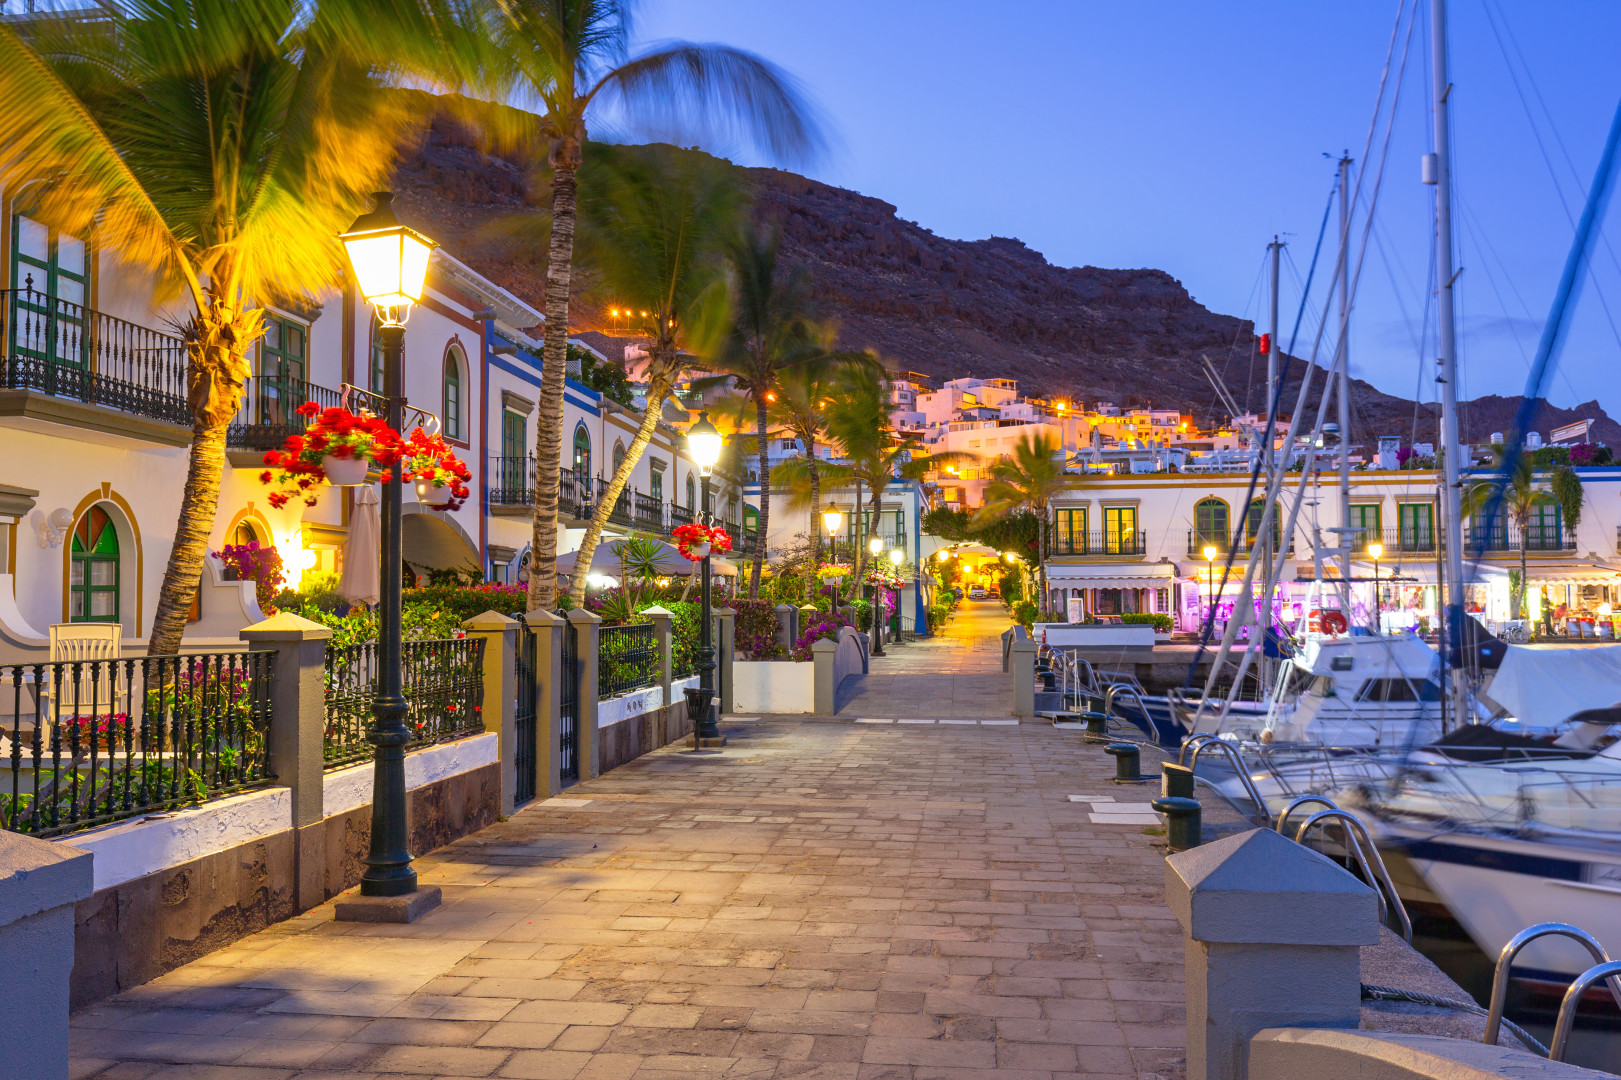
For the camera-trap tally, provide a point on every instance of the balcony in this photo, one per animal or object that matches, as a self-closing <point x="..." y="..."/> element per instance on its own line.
<point x="1548" y="537"/>
<point x="1198" y="541"/>
<point x="67" y="351"/>
<point x="1125" y="543"/>
<point x="1407" y="540"/>
<point x="269" y="410"/>
<point x="647" y="512"/>
<point x="512" y="481"/>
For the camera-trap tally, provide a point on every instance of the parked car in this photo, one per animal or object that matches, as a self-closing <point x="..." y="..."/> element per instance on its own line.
<point x="976" y="593"/>
<point x="995" y="593"/>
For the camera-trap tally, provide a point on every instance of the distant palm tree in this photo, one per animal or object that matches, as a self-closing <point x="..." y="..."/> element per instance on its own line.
<point x="654" y="222"/>
<point x="220" y="146"/>
<point x="1027" y="480"/>
<point x="567" y="56"/>
<point x="1522" y="497"/>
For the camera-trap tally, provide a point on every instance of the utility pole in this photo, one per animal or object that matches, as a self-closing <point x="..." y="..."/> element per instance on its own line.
<point x="1447" y="375"/>
<point x="1343" y="391"/>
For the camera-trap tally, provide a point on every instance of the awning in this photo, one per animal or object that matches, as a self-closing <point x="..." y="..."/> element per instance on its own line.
<point x="1583" y="573"/>
<point x="1149" y="576"/>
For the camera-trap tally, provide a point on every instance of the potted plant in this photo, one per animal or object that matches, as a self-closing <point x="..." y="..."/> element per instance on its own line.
<point x="696" y="541"/>
<point x="832" y="573"/>
<point x="441" y="477"/>
<point x="339" y="448"/>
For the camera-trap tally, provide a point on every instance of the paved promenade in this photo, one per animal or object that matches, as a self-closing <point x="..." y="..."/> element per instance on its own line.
<point x="820" y="899"/>
<point x="957" y="674"/>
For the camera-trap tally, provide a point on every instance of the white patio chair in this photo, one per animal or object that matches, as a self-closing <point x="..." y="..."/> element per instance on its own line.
<point x="95" y="691"/>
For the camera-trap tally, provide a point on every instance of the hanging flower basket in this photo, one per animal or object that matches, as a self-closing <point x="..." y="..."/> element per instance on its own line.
<point x="696" y="541"/>
<point x="441" y="477"/>
<point x="348" y="444"/>
<point x="832" y="573"/>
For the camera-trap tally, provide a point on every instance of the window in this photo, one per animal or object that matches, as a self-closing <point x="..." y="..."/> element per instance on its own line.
<point x="93" y="577"/>
<point x="1210" y="524"/>
<point x="582" y="451"/>
<point x="1252" y="524"/>
<point x="243" y="533"/>
<point x="1120" y="530"/>
<point x="619" y="455"/>
<point x="1545" y="528"/>
<point x="1365" y="516"/>
<point x="514" y="434"/>
<point x="1417" y="521"/>
<point x="374" y="376"/>
<point x="655" y="485"/>
<point x="283" y="362"/>
<point x="48" y="270"/>
<point x="453" y="394"/>
<point x="1399" y="690"/>
<point x="1069" y="532"/>
<point x="692" y="493"/>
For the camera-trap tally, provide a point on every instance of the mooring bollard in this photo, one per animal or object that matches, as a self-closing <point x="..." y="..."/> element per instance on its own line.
<point x="1177" y="781"/>
<point x="1183" y="828"/>
<point x="1097" y="726"/>
<point x="1126" y="756"/>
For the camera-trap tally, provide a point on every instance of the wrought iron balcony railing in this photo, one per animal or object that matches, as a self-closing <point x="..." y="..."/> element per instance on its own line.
<point x="269" y="411"/>
<point x="1122" y="542"/>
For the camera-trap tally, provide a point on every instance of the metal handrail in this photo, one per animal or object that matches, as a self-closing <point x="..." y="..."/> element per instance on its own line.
<point x="1237" y="759"/>
<point x="1567" y="1008"/>
<point x="1191" y="741"/>
<point x="1505" y="964"/>
<point x="1181" y="712"/>
<point x="1380" y="883"/>
<point x="1304" y="800"/>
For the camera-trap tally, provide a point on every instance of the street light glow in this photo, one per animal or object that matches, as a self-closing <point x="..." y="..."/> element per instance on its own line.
<point x="703" y="443"/>
<point x="390" y="260"/>
<point x="875" y="545"/>
<point x="896" y="555"/>
<point x="1376" y="551"/>
<point x="1210" y="553"/>
<point x="832" y="518"/>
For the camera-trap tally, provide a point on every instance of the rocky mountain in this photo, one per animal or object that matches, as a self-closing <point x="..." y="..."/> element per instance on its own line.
<point x="947" y="308"/>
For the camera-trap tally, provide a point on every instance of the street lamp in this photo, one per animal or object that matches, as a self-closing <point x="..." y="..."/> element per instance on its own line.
<point x="1375" y="551"/>
<point x="1210" y="581"/>
<point x="876" y="546"/>
<point x="896" y="557"/>
<point x="704" y="445"/>
<point x="390" y="263"/>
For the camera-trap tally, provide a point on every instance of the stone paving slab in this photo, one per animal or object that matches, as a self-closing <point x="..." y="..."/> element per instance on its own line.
<point x="820" y="899"/>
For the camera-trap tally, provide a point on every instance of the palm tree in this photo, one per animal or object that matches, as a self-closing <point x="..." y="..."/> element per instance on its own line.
<point x="654" y="221"/>
<point x="1522" y="498"/>
<point x="220" y="146"/>
<point x="1028" y="480"/>
<point x="567" y="57"/>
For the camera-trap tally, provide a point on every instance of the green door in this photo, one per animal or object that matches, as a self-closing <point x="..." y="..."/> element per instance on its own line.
<point x="48" y="274"/>
<point x="93" y="577"/>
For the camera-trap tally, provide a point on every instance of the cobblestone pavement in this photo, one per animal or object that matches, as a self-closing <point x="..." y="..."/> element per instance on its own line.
<point x="956" y="674"/>
<point x="820" y="899"/>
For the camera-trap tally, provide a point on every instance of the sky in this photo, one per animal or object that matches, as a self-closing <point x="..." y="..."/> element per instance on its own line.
<point x="1183" y="135"/>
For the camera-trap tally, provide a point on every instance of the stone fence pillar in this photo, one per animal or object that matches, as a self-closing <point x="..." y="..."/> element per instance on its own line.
<point x="787" y="625"/>
<point x="1273" y="935"/>
<point x="822" y="653"/>
<point x="586" y="628"/>
<point x="664" y="634"/>
<point x="500" y="635"/>
<point x="725" y="656"/>
<point x="548" y="630"/>
<point x="39" y="884"/>
<point x="1022" y="665"/>
<point x="297" y="738"/>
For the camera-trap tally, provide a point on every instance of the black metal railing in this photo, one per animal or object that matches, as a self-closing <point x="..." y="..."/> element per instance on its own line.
<point x="524" y="714"/>
<point x="512" y="481"/>
<point x="568" y="707"/>
<point x="1549" y="536"/>
<point x="92" y="741"/>
<point x="620" y="514"/>
<point x="443" y="682"/>
<point x="1405" y="539"/>
<point x="681" y="515"/>
<point x="1198" y="541"/>
<point x="574" y="494"/>
<point x="647" y="512"/>
<point x="269" y="411"/>
<point x="66" y="350"/>
<point x="627" y="659"/>
<point x="1121" y="542"/>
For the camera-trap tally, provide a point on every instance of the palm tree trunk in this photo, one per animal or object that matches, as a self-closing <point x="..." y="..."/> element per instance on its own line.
<point x="657" y="390"/>
<point x="765" y="498"/>
<point x="816" y="503"/>
<point x="1525" y="586"/>
<point x="205" y="465"/>
<point x="554" y="356"/>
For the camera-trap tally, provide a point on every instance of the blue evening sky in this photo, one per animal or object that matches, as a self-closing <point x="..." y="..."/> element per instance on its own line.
<point x="1181" y="135"/>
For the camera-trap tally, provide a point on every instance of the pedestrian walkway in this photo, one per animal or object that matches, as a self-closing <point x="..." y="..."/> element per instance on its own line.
<point x="958" y="673"/>
<point x="820" y="899"/>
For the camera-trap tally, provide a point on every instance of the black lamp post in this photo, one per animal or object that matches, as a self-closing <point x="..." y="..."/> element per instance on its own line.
<point x="390" y="263"/>
<point x="876" y="597"/>
<point x="1376" y="550"/>
<point x="704" y="445"/>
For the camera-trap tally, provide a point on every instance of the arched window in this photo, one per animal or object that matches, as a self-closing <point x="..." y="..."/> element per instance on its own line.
<point x="453" y="393"/>
<point x="243" y="533"/>
<point x="1210" y="524"/>
<point x="619" y="455"/>
<point x="692" y="493"/>
<point x="582" y="451"/>
<point x="1252" y="524"/>
<point x="93" y="578"/>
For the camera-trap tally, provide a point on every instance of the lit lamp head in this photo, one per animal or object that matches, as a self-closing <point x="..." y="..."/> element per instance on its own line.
<point x="1376" y="551"/>
<point x="945" y="556"/>
<point x="1210" y="553"/>
<point x="876" y="545"/>
<point x="390" y="260"/>
<point x="895" y="556"/>
<point x="1009" y="556"/>
<point x="832" y="519"/>
<point x="703" y="443"/>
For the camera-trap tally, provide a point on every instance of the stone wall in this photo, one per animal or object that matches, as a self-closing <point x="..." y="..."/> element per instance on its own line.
<point x="637" y="735"/>
<point x="129" y="933"/>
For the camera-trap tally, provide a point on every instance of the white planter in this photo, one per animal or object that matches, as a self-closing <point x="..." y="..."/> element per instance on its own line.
<point x="699" y="551"/>
<point x="430" y="494"/>
<point x="344" y="472"/>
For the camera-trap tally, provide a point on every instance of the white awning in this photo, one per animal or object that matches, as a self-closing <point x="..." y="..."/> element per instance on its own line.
<point x="1148" y="576"/>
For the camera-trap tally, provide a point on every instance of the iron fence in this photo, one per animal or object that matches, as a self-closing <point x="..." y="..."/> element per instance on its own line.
<point x="443" y="683"/>
<point x="627" y="659"/>
<point x="1117" y="542"/>
<point x="568" y="709"/>
<point x="66" y="350"/>
<point x="524" y="716"/>
<point x="573" y="494"/>
<point x="1537" y="536"/>
<point x="92" y="741"/>
<point x="648" y="512"/>
<point x="512" y="481"/>
<point x="269" y="411"/>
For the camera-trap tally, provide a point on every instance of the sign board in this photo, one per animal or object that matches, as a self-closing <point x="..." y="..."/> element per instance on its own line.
<point x="1077" y="609"/>
<point x="1576" y="432"/>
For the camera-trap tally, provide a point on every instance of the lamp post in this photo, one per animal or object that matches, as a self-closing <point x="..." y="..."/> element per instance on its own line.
<point x="1375" y="550"/>
<point x="1210" y="581"/>
<point x="704" y="445"/>
<point x="876" y="546"/>
<point x="390" y="263"/>
<point x="896" y="557"/>
<point x="833" y="521"/>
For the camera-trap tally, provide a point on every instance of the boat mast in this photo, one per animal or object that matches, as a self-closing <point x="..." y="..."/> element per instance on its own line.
<point x="1269" y="429"/>
<point x="1447" y="375"/>
<point x="1343" y="390"/>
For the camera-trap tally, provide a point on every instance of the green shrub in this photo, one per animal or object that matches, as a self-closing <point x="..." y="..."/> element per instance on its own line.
<point x="1159" y="620"/>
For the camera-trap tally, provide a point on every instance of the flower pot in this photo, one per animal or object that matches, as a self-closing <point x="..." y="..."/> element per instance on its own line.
<point x="431" y="494"/>
<point x="700" y="551"/>
<point x="344" y="472"/>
